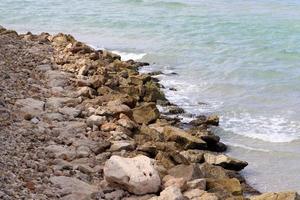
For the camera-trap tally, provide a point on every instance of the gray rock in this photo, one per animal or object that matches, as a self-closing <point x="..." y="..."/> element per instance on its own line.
<point x="95" y="120"/>
<point x="30" y="106"/>
<point x="76" y="189"/>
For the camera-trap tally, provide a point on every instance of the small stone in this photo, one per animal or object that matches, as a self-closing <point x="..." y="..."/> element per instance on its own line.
<point x="82" y="152"/>
<point x="35" y="120"/>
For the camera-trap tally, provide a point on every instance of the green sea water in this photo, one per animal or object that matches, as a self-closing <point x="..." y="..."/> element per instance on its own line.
<point x="239" y="59"/>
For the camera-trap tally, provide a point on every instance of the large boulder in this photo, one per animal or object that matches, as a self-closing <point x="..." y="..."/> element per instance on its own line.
<point x="136" y="175"/>
<point x="225" y="161"/>
<point x="277" y="196"/>
<point x="146" y="113"/>
<point x="186" y="140"/>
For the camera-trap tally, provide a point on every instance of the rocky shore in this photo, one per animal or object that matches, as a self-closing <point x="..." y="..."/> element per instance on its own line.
<point x="79" y="123"/>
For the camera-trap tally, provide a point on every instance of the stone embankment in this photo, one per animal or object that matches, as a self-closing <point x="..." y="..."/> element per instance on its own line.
<point x="79" y="123"/>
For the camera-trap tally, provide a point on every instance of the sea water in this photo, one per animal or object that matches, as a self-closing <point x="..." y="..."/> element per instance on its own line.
<point x="239" y="59"/>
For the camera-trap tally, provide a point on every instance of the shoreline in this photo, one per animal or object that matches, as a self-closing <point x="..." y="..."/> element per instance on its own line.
<point x="111" y="111"/>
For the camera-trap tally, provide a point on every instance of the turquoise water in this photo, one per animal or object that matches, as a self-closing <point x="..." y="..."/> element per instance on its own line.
<point x="241" y="58"/>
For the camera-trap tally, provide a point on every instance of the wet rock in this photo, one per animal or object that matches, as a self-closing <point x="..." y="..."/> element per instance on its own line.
<point x="213" y="120"/>
<point x="146" y="113"/>
<point x="225" y="161"/>
<point x="203" y="120"/>
<point x="277" y="196"/>
<point x="136" y="175"/>
<point x="153" y="92"/>
<point x="183" y="138"/>
<point x="187" y="172"/>
<point x="175" y="110"/>
<point x="155" y="73"/>
<point x="139" y="79"/>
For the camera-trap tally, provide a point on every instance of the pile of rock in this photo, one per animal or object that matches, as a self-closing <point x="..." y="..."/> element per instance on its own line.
<point x="96" y="132"/>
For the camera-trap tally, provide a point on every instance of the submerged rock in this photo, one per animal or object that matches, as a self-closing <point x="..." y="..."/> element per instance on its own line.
<point x="136" y="175"/>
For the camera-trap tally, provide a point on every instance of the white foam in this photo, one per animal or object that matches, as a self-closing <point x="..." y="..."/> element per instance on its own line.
<point x="124" y="55"/>
<point x="270" y="129"/>
<point x="130" y="56"/>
